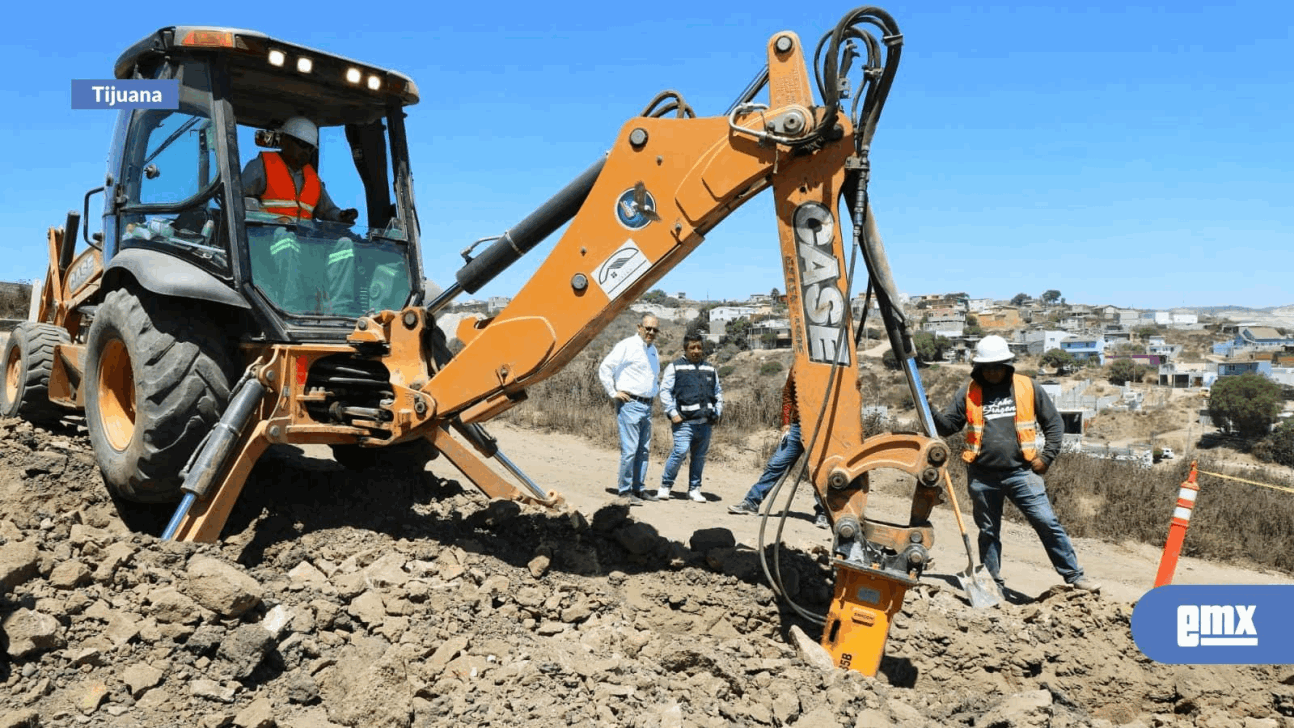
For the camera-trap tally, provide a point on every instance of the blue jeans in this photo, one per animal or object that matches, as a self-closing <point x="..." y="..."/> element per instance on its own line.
<point x="783" y="458"/>
<point x="634" y="419"/>
<point x="1028" y="492"/>
<point x="689" y="436"/>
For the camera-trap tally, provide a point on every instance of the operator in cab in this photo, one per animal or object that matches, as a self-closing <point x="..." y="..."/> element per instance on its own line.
<point x="286" y="185"/>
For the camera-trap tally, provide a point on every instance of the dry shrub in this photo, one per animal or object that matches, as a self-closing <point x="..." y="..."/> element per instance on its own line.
<point x="15" y="299"/>
<point x="1120" y="501"/>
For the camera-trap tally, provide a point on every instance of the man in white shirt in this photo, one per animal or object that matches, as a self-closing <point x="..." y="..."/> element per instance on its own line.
<point x="628" y="375"/>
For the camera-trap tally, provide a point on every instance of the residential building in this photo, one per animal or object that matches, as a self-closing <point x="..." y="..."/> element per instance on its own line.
<point x="1075" y="322"/>
<point x="1150" y="360"/>
<point x="927" y="298"/>
<point x="1041" y="341"/>
<point x="1263" y="338"/>
<point x="1250" y="340"/>
<point x="724" y="314"/>
<point x="1180" y="375"/>
<point x="1083" y="348"/>
<point x="856" y="308"/>
<point x="1001" y="317"/>
<point x="1116" y="334"/>
<point x="1282" y="375"/>
<point x="1232" y="368"/>
<point x="770" y="334"/>
<point x="948" y="323"/>
<point x="1168" y="351"/>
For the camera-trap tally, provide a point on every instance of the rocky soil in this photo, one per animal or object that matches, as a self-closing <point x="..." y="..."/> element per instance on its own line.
<point x="399" y="599"/>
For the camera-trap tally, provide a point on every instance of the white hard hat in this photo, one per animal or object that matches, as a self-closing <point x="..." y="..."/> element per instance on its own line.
<point x="301" y="128"/>
<point x="991" y="350"/>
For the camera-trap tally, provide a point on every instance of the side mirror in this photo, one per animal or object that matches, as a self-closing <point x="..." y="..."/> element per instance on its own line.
<point x="86" y="216"/>
<point x="267" y="139"/>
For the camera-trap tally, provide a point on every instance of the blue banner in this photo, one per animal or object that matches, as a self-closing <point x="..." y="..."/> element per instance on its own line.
<point x="1216" y="625"/>
<point x="118" y="94"/>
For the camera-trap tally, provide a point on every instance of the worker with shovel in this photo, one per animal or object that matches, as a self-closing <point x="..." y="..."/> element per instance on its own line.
<point x="1003" y="412"/>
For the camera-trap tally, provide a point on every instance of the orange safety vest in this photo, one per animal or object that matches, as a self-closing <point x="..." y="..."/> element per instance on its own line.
<point x="281" y="196"/>
<point x="1026" y="426"/>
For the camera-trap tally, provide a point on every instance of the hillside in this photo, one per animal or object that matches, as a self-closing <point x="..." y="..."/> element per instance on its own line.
<point x="1275" y="316"/>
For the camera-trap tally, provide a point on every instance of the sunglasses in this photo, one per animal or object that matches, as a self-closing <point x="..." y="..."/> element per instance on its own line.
<point x="648" y="329"/>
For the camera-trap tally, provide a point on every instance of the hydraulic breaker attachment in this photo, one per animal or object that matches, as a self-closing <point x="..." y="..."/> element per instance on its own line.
<point x="858" y="623"/>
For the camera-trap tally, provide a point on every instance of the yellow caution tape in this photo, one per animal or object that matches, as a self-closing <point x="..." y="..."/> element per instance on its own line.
<point x="1242" y="480"/>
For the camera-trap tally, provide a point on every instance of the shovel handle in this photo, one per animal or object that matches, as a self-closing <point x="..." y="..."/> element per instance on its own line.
<point x="952" y="500"/>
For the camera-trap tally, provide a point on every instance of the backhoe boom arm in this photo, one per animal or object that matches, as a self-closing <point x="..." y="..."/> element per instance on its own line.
<point x="665" y="183"/>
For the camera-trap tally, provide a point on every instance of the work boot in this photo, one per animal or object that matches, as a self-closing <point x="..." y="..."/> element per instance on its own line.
<point x="1086" y="584"/>
<point x="695" y="495"/>
<point x="744" y="508"/>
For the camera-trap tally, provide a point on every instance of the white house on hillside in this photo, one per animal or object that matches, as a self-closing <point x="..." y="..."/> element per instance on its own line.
<point x="724" y="314"/>
<point x="945" y="323"/>
<point x="1042" y="341"/>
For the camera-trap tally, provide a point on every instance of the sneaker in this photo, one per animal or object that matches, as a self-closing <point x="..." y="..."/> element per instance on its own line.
<point x="821" y="521"/>
<point x="645" y="494"/>
<point x="695" y="495"/>
<point x="662" y="494"/>
<point x="1086" y="584"/>
<point x="629" y="499"/>
<point x="744" y="508"/>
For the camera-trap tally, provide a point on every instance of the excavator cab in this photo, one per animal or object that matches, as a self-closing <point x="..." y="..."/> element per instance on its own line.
<point x="178" y="219"/>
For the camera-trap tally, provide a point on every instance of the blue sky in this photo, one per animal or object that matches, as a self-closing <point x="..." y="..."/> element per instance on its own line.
<point x="1136" y="155"/>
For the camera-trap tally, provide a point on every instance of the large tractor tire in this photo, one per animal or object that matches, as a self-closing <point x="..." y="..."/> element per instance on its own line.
<point x="157" y="380"/>
<point x="28" y="361"/>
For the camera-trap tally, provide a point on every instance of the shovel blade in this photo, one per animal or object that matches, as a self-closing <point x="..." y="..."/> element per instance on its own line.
<point x="980" y="587"/>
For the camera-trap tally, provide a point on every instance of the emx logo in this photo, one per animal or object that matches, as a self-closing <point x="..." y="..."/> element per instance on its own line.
<point x="1217" y="624"/>
<point x="1211" y="625"/>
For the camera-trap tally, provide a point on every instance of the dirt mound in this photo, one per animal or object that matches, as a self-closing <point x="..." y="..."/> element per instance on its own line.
<point x="398" y="599"/>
